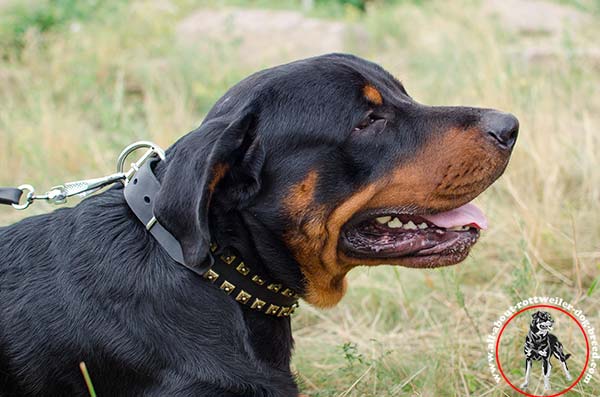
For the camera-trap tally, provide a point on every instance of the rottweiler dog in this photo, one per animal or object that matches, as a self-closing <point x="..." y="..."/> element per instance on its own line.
<point x="307" y="170"/>
<point x="541" y="345"/>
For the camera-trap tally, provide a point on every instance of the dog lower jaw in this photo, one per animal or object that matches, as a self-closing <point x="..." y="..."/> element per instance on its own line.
<point x="326" y="292"/>
<point x="417" y="262"/>
<point x="327" y="288"/>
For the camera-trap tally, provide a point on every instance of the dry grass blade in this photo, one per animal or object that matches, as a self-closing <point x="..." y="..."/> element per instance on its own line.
<point x="356" y="382"/>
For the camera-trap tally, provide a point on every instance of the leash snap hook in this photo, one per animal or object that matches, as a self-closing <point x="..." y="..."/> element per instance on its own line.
<point x="153" y="151"/>
<point x="59" y="194"/>
<point x="28" y="199"/>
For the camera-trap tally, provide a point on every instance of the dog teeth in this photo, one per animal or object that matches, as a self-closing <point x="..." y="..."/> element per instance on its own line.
<point x="410" y="226"/>
<point x="383" y="219"/>
<point x="458" y="228"/>
<point x="395" y="223"/>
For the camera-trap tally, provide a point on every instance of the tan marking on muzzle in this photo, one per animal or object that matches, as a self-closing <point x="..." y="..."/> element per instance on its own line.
<point x="447" y="173"/>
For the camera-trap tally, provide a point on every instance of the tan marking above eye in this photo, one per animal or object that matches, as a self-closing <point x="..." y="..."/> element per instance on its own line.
<point x="372" y="94"/>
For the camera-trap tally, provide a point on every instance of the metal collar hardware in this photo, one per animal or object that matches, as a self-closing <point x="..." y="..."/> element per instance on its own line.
<point x="235" y="278"/>
<point x="59" y="194"/>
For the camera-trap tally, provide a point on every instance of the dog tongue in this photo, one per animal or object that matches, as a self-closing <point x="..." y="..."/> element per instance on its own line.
<point x="467" y="215"/>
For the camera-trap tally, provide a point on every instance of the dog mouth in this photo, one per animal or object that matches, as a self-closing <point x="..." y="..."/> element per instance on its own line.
<point x="545" y="326"/>
<point x="413" y="238"/>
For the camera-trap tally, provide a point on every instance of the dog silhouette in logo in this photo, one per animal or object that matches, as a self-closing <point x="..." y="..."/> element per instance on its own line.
<point x="541" y="345"/>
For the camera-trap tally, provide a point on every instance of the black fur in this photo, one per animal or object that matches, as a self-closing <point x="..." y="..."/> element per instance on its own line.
<point x="90" y="284"/>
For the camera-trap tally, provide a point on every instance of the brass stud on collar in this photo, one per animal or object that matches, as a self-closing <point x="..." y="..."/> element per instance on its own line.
<point x="258" y="304"/>
<point x="273" y="309"/>
<point x="227" y="287"/>
<point x="243" y="269"/>
<point x="228" y="259"/>
<point x="284" y="312"/>
<point x="211" y="275"/>
<point x="243" y="297"/>
<point x="293" y="308"/>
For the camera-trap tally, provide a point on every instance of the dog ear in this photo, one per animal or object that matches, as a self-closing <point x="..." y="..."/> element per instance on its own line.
<point x="222" y="147"/>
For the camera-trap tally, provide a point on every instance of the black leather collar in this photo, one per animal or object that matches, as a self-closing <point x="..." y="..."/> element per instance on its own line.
<point x="226" y="268"/>
<point x="10" y="195"/>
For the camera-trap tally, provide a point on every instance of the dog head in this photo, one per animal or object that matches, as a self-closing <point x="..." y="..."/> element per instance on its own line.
<point x="541" y="322"/>
<point x="331" y="162"/>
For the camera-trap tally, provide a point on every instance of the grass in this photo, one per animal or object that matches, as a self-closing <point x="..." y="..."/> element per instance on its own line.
<point x="88" y="379"/>
<point x="75" y="91"/>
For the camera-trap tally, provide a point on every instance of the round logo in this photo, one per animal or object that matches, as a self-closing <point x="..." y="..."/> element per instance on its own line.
<point x="542" y="350"/>
<point x="543" y="347"/>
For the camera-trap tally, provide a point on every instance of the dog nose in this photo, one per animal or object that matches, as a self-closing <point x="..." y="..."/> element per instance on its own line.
<point x="502" y="127"/>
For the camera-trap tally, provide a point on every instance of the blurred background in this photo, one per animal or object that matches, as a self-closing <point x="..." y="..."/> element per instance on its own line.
<point x="80" y="79"/>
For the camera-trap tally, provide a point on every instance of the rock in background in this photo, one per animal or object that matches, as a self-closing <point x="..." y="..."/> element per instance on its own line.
<point x="267" y="37"/>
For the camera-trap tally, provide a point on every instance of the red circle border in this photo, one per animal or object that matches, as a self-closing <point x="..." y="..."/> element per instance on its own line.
<point x="587" y="345"/>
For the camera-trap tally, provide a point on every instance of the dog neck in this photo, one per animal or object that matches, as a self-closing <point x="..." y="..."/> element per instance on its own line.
<point x="240" y="230"/>
<point x="265" y="255"/>
<point x="258" y="246"/>
<point x="271" y="336"/>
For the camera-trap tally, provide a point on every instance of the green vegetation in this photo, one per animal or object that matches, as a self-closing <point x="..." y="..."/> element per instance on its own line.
<point x="81" y="79"/>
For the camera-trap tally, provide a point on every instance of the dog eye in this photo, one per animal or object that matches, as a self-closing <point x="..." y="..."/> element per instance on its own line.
<point x="370" y="119"/>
